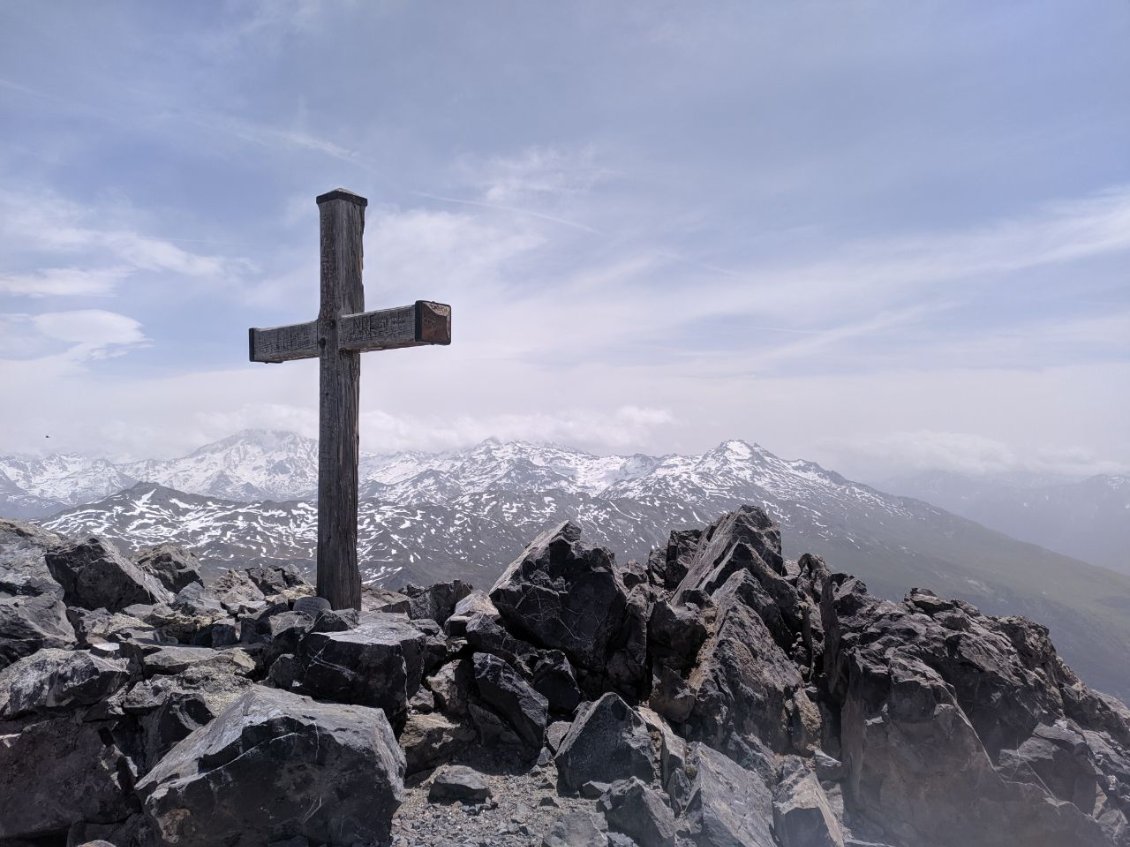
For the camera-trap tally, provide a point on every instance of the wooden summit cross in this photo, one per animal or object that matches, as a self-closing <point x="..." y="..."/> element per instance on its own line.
<point x="342" y="331"/>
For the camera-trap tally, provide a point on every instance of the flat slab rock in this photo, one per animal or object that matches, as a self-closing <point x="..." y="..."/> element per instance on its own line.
<point x="234" y="781"/>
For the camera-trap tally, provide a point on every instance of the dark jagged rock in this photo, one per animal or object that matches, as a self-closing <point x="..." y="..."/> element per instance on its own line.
<point x="728" y="806"/>
<point x="275" y="580"/>
<point x="932" y="697"/>
<point x="475" y="603"/>
<point x="264" y="769"/>
<point x="95" y="575"/>
<point x="431" y="740"/>
<point x="238" y="593"/>
<point x="458" y="784"/>
<point x="713" y="559"/>
<point x="802" y="815"/>
<point x="785" y="706"/>
<point x="169" y="707"/>
<point x="379" y="663"/>
<point x="563" y="595"/>
<point x="501" y="688"/>
<point x="554" y="679"/>
<point x="53" y="679"/>
<point x="175" y="567"/>
<point x="436" y="602"/>
<point x="747" y="692"/>
<point x="608" y="741"/>
<point x="577" y="829"/>
<point x="60" y="770"/>
<point x="639" y="812"/>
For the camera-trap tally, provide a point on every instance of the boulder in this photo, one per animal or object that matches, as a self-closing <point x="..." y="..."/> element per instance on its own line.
<point x="554" y="679"/>
<point x="382" y="600"/>
<point x="640" y="812"/>
<point x="506" y="693"/>
<point x="175" y="567"/>
<point x="563" y="595"/>
<point x="58" y="679"/>
<point x="459" y="784"/>
<point x="32" y="612"/>
<point x="168" y="708"/>
<point x="936" y="703"/>
<point x="577" y="829"/>
<point x="607" y="741"/>
<point x="436" y="602"/>
<point x="32" y="622"/>
<point x="747" y="691"/>
<point x="238" y="593"/>
<point x="709" y="563"/>
<point x="431" y="739"/>
<point x="475" y="603"/>
<point x="95" y="575"/>
<point x="380" y="663"/>
<point x="728" y="805"/>
<point x="451" y="685"/>
<point x="802" y="815"/>
<point x="275" y="765"/>
<point x="59" y="771"/>
<point x="175" y="659"/>
<point x="280" y="580"/>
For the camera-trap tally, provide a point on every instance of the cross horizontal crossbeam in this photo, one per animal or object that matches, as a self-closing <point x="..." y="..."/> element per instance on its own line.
<point x="417" y="325"/>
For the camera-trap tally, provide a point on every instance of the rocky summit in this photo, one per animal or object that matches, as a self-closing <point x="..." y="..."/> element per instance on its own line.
<point x="714" y="694"/>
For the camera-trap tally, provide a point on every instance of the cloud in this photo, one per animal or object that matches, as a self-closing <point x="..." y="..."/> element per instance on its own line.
<point x="63" y="282"/>
<point x="93" y="328"/>
<point x="970" y="453"/>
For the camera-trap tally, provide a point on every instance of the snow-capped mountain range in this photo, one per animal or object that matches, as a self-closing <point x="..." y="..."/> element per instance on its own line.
<point x="465" y="514"/>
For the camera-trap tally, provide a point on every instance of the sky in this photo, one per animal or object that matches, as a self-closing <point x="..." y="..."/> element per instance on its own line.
<point x="885" y="236"/>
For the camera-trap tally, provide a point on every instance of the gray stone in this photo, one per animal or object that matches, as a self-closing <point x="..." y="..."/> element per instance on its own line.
<point x="32" y="612"/>
<point x="58" y="679"/>
<point x="638" y="811"/>
<point x="238" y="593"/>
<point x="174" y="566"/>
<point x="729" y="806"/>
<point x="95" y="575"/>
<point x="174" y="659"/>
<point x="747" y="691"/>
<point x="501" y="688"/>
<point x="59" y="770"/>
<point x="451" y="685"/>
<point x="577" y="829"/>
<point x="802" y="815"/>
<point x="608" y="741"/>
<point x="431" y="740"/>
<point x="236" y="779"/>
<point x="436" y="602"/>
<point x="457" y="783"/>
<point x="475" y="603"/>
<point x="379" y="663"/>
<point x="563" y="595"/>
<point x="169" y="708"/>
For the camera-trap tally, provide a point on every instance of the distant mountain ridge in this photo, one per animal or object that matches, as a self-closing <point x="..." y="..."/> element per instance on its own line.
<point x="1088" y="519"/>
<point x="466" y="514"/>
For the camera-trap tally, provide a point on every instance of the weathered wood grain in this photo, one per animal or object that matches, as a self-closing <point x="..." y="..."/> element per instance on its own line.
<point x="284" y="343"/>
<point x="342" y="228"/>
<point x="405" y="326"/>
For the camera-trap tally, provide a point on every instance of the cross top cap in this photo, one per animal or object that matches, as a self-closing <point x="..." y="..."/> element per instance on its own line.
<point x="342" y="194"/>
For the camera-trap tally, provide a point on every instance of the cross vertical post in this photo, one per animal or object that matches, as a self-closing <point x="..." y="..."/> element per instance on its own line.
<point x="342" y="217"/>
<point x="343" y="331"/>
